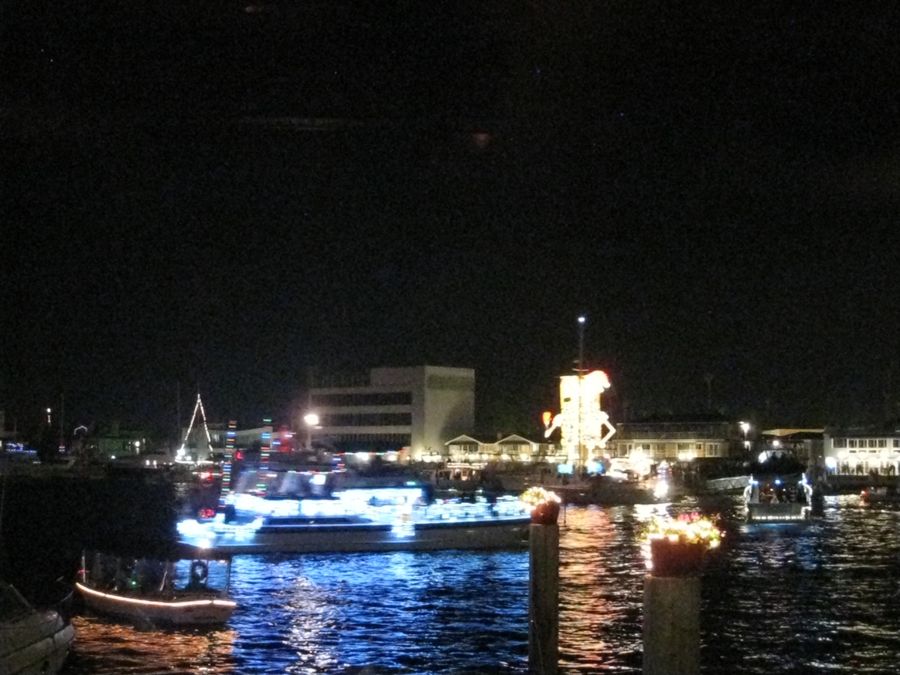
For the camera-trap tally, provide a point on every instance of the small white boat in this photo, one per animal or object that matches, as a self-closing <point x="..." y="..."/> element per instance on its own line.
<point x="152" y="592"/>
<point x="291" y="516"/>
<point x="32" y="641"/>
<point x="778" y="501"/>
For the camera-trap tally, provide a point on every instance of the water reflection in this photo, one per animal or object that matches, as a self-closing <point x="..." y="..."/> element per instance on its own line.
<point x="402" y="612"/>
<point x="822" y="597"/>
<point x="808" y="599"/>
<point x="104" y="646"/>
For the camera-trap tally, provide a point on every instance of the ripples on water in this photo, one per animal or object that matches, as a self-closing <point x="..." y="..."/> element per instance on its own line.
<point x="821" y="598"/>
<point x="814" y="599"/>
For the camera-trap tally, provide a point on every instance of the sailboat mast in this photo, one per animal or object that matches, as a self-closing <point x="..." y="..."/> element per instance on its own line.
<point x="177" y="410"/>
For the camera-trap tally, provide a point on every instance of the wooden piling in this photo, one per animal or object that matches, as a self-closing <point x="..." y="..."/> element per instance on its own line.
<point x="671" y="625"/>
<point x="543" y="596"/>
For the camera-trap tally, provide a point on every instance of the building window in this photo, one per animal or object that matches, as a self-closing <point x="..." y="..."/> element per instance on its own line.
<point x="839" y="442"/>
<point x="367" y="420"/>
<point x="361" y="399"/>
<point x="851" y="443"/>
<point x="882" y="442"/>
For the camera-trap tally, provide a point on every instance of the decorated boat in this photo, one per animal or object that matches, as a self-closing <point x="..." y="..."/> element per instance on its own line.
<point x="312" y="512"/>
<point x="31" y="640"/>
<point x="191" y="591"/>
<point x="777" y="500"/>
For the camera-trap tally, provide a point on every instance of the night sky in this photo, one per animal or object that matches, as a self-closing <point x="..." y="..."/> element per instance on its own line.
<point x="228" y="194"/>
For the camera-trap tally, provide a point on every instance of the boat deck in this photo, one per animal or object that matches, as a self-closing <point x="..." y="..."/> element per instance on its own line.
<point x="502" y="532"/>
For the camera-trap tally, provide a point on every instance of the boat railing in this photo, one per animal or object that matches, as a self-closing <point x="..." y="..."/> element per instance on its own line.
<point x="461" y="510"/>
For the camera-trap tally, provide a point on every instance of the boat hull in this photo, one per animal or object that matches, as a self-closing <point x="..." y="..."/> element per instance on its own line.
<point x="37" y="643"/>
<point x="778" y="513"/>
<point x="500" y="533"/>
<point x="185" y="610"/>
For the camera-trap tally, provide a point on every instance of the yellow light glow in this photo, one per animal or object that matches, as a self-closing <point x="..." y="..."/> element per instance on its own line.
<point x="581" y="419"/>
<point x="537" y="495"/>
<point x="691" y="528"/>
<point x="156" y="603"/>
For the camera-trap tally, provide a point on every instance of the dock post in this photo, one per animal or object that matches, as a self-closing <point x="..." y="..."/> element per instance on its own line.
<point x="671" y="625"/>
<point x="543" y="597"/>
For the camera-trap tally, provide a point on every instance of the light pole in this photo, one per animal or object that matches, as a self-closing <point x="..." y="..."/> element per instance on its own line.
<point x="745" y="427"/>
<point x="311" y="420"/>
<point x="581" y="321"/>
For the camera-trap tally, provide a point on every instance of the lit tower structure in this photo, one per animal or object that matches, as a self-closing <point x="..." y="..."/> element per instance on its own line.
<point x="583" y="423"/>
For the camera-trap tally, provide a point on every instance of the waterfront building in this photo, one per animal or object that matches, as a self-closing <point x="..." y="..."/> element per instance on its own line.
<point x="677" y="438"/>
<point x="803" y="445"/>
<point x="113" y="442"/>
<point x="411" y="410"/>
<point x="515" y="448"/>
<point x="862" y="451"/>
<point x="468" y="450"/>
<point x="636" y="445"/>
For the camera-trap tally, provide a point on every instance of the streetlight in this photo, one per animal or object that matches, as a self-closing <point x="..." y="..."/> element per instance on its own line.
<point x="311" y="420"/>
<point x="745" y="427"/>
<point x="581" y="321"/>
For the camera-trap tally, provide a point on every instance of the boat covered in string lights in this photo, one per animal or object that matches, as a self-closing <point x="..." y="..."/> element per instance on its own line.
<point x="777" y="500"/>
<point x="321" y="512"/>
<point x="144" y="591"/>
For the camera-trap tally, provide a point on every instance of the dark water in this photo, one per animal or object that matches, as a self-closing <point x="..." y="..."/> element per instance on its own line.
<point x="816" y="599"/>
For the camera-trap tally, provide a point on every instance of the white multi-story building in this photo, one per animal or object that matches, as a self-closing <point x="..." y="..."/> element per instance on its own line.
<point x="412" y="410"/>
<point x="861" y="451"/>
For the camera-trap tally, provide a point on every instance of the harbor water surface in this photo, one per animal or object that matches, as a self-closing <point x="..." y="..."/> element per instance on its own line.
<point x="816" y="598"/>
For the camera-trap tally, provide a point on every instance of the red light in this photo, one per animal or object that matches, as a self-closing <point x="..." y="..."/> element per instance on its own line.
<point x="239" y="455"/>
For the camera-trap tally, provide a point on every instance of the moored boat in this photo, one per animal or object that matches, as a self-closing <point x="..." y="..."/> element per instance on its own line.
<point x="31" y="640"/>
<point x="295" y="513"/>
<point x="157" y="592"/>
